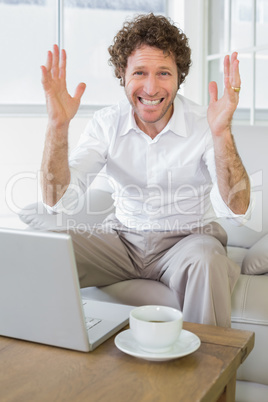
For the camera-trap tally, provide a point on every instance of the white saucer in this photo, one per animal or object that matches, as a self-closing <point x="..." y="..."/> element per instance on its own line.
<point x="186" y="343"/>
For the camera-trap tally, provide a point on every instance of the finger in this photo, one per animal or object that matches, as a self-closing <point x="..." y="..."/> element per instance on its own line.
<point x="234" y="57"/>
<point x="55" y="62"/>
<point x="44" y="75"/>
<point x="62" y="73"/>
<point x="213" y="91"/>
<point x="45" y="78"/>
<point x="49" y="61"/>
<point x="227" y="72"/>
<point x="226" y="65"/>
<point x="80" y="89"/>
<point x="236" y="80"/>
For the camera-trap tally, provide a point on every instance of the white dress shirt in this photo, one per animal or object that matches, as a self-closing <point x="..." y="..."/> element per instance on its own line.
<point x="165" y="183"/>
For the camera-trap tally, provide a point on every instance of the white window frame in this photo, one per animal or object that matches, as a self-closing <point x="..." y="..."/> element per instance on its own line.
<point x="193" y="25"/>
<point x="35" y="110"/>
<point x="252" y="50"/>
<point x="179" y="11"/>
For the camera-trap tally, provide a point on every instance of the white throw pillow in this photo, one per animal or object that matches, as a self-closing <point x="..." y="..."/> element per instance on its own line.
<point x="256" y="259"/>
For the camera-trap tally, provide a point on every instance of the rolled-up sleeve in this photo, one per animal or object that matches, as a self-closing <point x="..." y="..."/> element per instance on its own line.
<point x="71" y="199"/>
<point x="223" y="211"/>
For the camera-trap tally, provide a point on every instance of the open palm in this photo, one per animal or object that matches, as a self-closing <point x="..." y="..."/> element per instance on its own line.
<point x="220" y="111"/>
<point x="61" y="106"/>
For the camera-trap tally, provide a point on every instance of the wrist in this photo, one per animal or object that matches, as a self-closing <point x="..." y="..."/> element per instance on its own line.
<point x="58" y="130"/>
<point x="223" y="140"/>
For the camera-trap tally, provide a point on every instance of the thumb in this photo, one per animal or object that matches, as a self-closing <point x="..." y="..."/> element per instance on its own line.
<point x="80" y="89"/>
<point x="213" y="91"/>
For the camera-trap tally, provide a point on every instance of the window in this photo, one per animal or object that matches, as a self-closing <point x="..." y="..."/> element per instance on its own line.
<point x="85" y="28"/>
<point x="241" y="25"/>
<point x="27" y="29"/>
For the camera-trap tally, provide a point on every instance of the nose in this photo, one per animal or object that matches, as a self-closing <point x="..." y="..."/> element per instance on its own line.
<point x="151" y="85"/>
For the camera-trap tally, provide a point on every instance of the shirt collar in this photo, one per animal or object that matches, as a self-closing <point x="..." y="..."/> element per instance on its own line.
<point x="128" y="122"/>
<point x="176" y="124"/>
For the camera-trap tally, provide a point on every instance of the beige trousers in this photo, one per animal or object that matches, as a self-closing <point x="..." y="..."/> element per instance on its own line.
<point x="195" y="267"/>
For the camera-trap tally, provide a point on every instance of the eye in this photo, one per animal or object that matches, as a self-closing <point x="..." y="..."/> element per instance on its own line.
<point x="164" y="73"/>
<point x="138" y="73"/>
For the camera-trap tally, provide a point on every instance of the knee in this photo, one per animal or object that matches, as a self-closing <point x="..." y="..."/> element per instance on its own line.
<point x="196" y="255"/>
<point x="208" y="254"/>
<point x="208" y="248"/>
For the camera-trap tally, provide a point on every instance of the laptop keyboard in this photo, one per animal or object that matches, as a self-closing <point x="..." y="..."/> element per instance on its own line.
<point x="90" y="321"/>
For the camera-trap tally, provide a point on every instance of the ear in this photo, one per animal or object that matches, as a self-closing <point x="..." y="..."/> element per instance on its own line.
<point x="179" y="79"/>
<point x="121" y="75"/>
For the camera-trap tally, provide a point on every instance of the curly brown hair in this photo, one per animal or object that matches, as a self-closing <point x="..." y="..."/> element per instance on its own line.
<point x="151" y="30"/>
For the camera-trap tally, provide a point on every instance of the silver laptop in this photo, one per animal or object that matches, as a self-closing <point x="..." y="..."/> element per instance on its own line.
<point x="40" y="299"/>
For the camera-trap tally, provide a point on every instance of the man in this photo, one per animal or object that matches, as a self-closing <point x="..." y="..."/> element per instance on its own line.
<point x="174" y="170"/>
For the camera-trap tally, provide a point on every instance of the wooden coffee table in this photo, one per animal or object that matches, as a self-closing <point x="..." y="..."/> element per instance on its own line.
<point x="33" y="372"/>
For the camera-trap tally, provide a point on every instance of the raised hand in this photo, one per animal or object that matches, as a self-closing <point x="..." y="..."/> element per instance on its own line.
<point x="220" y="111"/>
<point x="61" y="106"/>
<point x="232" y="178"/>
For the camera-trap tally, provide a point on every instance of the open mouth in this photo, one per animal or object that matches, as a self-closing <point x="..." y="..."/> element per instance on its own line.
<point x="150" y="102"/>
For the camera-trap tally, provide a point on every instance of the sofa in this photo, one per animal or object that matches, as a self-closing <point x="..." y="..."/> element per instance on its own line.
<point x="247" y="245"/>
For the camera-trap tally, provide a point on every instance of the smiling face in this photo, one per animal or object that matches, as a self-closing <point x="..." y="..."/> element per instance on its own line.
<point x="151" y="84"/>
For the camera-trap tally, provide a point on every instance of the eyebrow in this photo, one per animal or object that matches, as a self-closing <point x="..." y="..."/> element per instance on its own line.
<point x="160" y="68"/>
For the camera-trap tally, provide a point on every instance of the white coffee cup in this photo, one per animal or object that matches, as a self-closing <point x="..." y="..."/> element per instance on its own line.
<point x="155" y="328"/>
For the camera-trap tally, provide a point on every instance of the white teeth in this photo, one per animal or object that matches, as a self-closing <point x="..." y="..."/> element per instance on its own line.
<point x="148" y="102"/>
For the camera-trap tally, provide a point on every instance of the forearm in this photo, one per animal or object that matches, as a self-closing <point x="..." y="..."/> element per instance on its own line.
<point x="55" y="173"/>
<point x="232" y="178"/>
